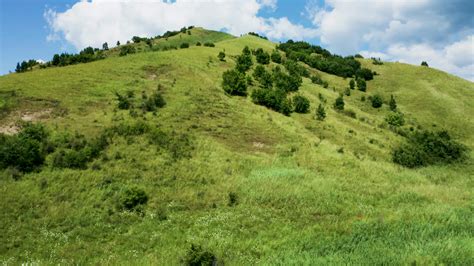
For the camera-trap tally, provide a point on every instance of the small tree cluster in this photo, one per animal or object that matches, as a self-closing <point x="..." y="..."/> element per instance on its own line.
<point x="221" y="56"/>
<point x="126" y="49"/>
<point x="424" y="63"/>
<point x="276" y="57"/>
<point x="262" y="56"/>
<point x="209" y="44"/>
<point x="26" y="65"/>
<point x="244" y="60"/>
<point x="300" y="104"/>
<point x="395" y="119"/>
<point x="376" y="101"/>
<point x="316" y="79"/>
<point x="361" y="84"/>
<point x="184" y="45"/>
<point x="234" y="82"/>
<point x="339" y="103"/>
<point x="133" y="199"/>
<point x="320" y="112"/>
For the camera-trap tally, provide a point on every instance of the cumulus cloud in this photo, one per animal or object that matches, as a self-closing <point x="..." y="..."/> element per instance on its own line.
<point x="437" y="31"/>
<point x="93" y="22"/>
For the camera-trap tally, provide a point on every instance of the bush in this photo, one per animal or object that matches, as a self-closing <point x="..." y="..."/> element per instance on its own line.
<point x="133" y="198"/>
<point x="150" y="104"/>
<point x="393" y="104"/>
<point x="209" y="44"/>
<point x="274" y="99"/>
<point x="263" y="77"/>
<point x="262" y="56"/>
<point x="424" y="63"/>
<point x="316" y="79"/>
<point x="69" y="158"/>
<point x="184" y="45"/>
<point x="352" y="84"/>
<point x="361" y="85"/>
<point x="196" y="256"/>
<point x="221" y="56"/>
<point x="198" y="44"/>
<point x="320" y="113"/>
<point x="376" y="101"/>
<point x="427" y="148"/>
<point x="276" y="57"/>
<point x="233" y="199"/>
<point x="347" y="92"/>
<point x="234" y="82"/>
<point x="244" y="61"/>
<point x="285" y="82"/>
<point x="124" y="101"/>
<point x="395" y="119"/>
<point x="301" y="104"/>
<point x="126" y="49"/>
<point x="339" y="103"/>
<point x="365" y="73"/>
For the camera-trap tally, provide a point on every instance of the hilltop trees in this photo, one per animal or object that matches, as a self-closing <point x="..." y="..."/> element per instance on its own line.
<point x="262" y="56"/>
<point x="276" y="57"/>
<point x="105" y="46"/>
<point x="424" y="63"/>
<point x="25" y="65"/>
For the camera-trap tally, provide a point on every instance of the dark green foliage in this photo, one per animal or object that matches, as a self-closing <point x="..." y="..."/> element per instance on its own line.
<point x="427" y="148"/>
<point x="126" y="129"/>
<point x="105" y="46"/>
<point x="424" y="63"/>
<point x="376" y="61"/>
<point x="198" y="44"/>
<point x="361" y="85"/>
<point x="25" y="151"/>
<point x="221" y="56"/>
<point x="133" y="198"/>
<point x="233" y="199"/>
<point x="274" y="99"/>
<point x="347" y="92"/>
<point x="244" y="61"/>
<point x="276" y="57"/>
<point x="263" y="77"/>
<point x="316" y="79"/>
<point x="196" y="256"/>
<point x="301" y="104"/>
<point x="257" y="35"/>
<point x="358" y="56"/>
<point x="395" y="119"/>
<point x="234" y="82"/>
<point x="296" y="69"/>
<point x="262" y="56"/>
<point x="70" y="158"/>
<point x="150" y="104"/>
<point x="209" y="44"/>
<point x="320" y="112"/>
<point x="184" y="45"/>
<point x="126" y="49"/>
<point x="124" y="101"/>
<point x="285" y="82"/>
<point x="118" y="43"/>
<point x="137" y="39"/>
<point x="352" y="84"/>
<point x="339" y="103"/>
<point x="376" y="101"/>
<point x="178" y="146"/>
<point x="393" y="104"/>
<point x="25" y="65"/>
<point x="325" y="61"/>
<point x="365" y="73"/>
<point x="85" y="56"/>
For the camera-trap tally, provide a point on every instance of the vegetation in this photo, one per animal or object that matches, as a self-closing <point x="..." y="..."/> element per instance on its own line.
<point x="361" y="85"/>
<point x="376" y="101"/>
<point x="262" y="56"/>
<point x="392" y="104"/>
<point x="424" y="63"/>
<point x="25" y="65"/>
<point x="301" y="104"/>
<point x="276" y="57"/>
<point x="339" y="103"/>
<point x="395" y="119"/>
<point x="320" y="113"/>
<point x="234" y="83"/>
<point x="221" y="56"/>
<point x="244" y="61"/>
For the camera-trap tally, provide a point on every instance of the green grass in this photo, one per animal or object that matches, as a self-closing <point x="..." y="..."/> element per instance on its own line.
<point x="300" y="201"/>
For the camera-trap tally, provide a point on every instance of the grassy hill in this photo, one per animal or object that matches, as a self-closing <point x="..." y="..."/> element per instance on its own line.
<point x="245" y="183"/>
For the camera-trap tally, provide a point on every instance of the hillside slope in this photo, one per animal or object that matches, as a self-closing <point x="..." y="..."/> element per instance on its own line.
<point x="248" y="184"/>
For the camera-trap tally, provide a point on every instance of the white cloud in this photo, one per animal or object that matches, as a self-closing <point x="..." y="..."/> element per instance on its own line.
<point x="436" y="31"/>
<point x="91" y="23"/>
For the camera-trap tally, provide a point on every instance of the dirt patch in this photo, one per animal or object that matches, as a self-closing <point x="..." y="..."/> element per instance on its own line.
<point x="11" y="128"/>
<point x="258" y="145"/>
<point x="34" y="116"/>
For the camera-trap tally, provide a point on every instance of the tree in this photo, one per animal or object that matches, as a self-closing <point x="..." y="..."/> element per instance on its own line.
<point x="352" y="84"/>
<point x="320" y="112"/>
<point x="347" y="92"/>
<point x="395" y="119"/>
<point x="276" y="57"/>
<point x="361" y="84"/>
<point x="262" y="56"/>
<point x="221" y="56"/>
<point x="301" y="104"/>
<point x="339" y="103"/>
<point x="184" y="45"/>
<point x="365" y="73"/>
<point x="424" y="63"/>
<point x="56" y="60"/>
<point x="244" y="61"/>
<point x="18" y="68"/>
<point x="118" y="43"/>
<point x="377" y="101"/>
<point x="393" y="104"/>
<point x="234" y="82"/>
<point x="105" y="46"/>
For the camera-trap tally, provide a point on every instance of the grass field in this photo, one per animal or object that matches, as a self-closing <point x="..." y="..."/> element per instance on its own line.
<point x="308" y="192"/>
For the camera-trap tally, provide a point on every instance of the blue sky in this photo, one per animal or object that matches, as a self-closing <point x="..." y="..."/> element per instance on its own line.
<point x="437" y="31"/>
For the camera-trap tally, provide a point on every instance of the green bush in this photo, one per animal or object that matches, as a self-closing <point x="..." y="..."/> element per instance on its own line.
<point x="133" y="199"/>
<point x="244" y="61"/>
<point x="233" y="199"/>
<point x="393" y="104"/>
<point x="320" y="113"/>
<point x="274" y="99"/>
<point x="352" y="84"/>
<point x="428" y="148"/>
<point x="361" y="84"/>
<point x="234" y="82"/>
<point x="424" y="63"/>
<point x="262" y="56"/>
<point x="184" y="45"/>
<point x="124" y="101"/>
<point x="69" y="158"/>
<point x="276" y="57"/>
<point x="263" y="77"/>
<point x="196" y="256"/>
<point x="126" y="49"/>
<point x="395" y="119"/>
<point x="376" y="101"/>
<point x="365" y="74"/>
<point x="339" y="103"/>
<point x="221" y="56"/>
<point x="150" y="104"/>
<point x="301" y="104"/>
<point x="285" y="82"/>
<point x="209" y="44"/>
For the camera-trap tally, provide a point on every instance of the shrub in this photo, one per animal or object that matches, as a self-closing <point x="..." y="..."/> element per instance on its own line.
<point x="395" y="119"/>
<point x="274" y="99"/>
<point x="352" y="84"/>
<point x="301" y="104"/>
<point x="263" y="77"/>
<point x="209" y="44"/>
<point x="339" y="103"/>
<point x="427" y="148"/>
<point x="350" y="113"/>
<point x="276" y="57"/>
<point x="262" y="56"/>
<point x="316" y="79"/>
<point x="234" y="82"/>
<point x="153" y="102"/>
<point x="320" y="113"/>
<point x="285" y="82"/>
<point x="393" y="104"/>
<point x="296" y="69"/>
<point x="196" y="256"/>
<point x="69" y="158"/>
<point x="233" y="199"/>
<point x="124" y="101"/>
<point x="376" y="101"/>
<point x="221" y="56"/>
<point x="198" y="44"/>
<point x="365" y="73"/>
<point x="244" y="61"/>
<point x="184" y="45"/>
<point x="347" y="92"/>
<point x="361" y="85"/>
<point x="126" y="49"/>
<point x="424" y="63"/>
<point x="133" y="198"/>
